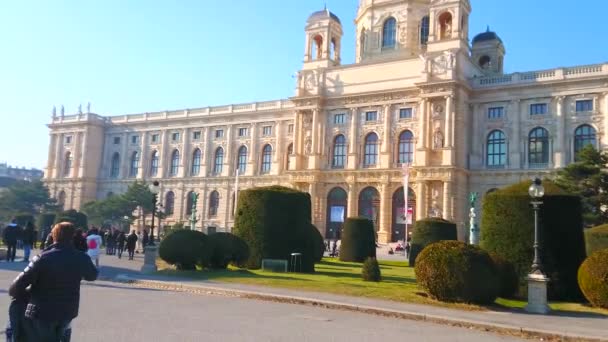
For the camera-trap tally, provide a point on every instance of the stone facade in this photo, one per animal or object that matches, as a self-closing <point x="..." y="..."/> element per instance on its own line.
<point x="419" y="92"/>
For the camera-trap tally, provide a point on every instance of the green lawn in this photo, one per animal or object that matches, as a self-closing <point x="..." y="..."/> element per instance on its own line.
<point x="333" y="276"/>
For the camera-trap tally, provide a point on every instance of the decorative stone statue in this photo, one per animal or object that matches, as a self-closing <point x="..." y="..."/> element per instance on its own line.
<point x="62" y="111"/>
<point x="79" y="109"/>
<point x="88" y="107"/>
<point x="308" y="147"/>
<point x="54" y="112"/>
<point x="474" y="231"/>
<point x="438" y="140"/>
<point x="193" y="219"/>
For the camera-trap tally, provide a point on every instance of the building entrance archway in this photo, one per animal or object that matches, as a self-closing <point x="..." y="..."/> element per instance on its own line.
<point x="399" y="212"/>
<point x="369" y="205"/>
<point x="337" y="207"/>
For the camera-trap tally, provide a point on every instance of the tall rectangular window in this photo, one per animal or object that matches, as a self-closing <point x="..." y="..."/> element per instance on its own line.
<point x="175" y="136"/>
<point x="267" y="130"/>
<point x="68" y="139"/>
<point x="290" y="128"/>
<point x="538" y="109"/>
<point x="155" y="138"/>
<point x="219" y="133"/>
<point x="405" y="113"/>
<point x="584" y="106"/>
<point x="496" y="112"/>
<point x="196" y="135"/>
<point x="242" y="132"/>
<point x="339" y="118"/>
<point x="371" y="116"/>
<point x="116" y="140"/>
<point x="134" y="139"/>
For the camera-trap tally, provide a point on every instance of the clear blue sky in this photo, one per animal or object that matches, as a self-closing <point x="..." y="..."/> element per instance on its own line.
<point x="138" y="56"/>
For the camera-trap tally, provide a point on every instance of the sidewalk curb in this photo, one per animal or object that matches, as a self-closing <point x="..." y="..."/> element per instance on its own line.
<point x="502" y="329"/>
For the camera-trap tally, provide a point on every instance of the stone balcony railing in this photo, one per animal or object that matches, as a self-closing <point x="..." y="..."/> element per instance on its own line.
<point x="540" y="76"/>
<point x="185" y="113"/>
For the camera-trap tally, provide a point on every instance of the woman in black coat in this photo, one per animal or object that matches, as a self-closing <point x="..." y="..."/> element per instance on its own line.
<point x="131" y="243"/>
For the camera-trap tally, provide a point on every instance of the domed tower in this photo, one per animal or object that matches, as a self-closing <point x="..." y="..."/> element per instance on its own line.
<point x="488" y="52"/>
<point x="323" y="40"/>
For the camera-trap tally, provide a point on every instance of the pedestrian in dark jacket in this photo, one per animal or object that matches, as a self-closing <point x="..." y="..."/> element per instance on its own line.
<point x="53" y="279"/>
<point x="120" y="244"/>
<point x="80" y="242"/>
<point x="29" y="239"/>
<point x="131" y="244"/>
<point x="11" y="234"/>
<point x="145" y="240"/>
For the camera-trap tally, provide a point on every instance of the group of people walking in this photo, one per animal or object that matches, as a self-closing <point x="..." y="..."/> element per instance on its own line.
<point x="116" y="241"/>
<point x="14" y="234"/>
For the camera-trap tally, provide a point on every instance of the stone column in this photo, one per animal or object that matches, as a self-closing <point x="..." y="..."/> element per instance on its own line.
<point x="186" y="156"/>
<point x="58" y="154"/>
<point x="205" y="151"/>
<point x="164" y="150"/>
<point x="229" y="163"/>
<point x="605" y="116"/>
<point x="82" y="155"/>
<point x="77" y="151"/>
<point x="478" y="159"/>
<point x="312" y="190"/>
<point x="421" y="199"/>
<point x="125" y="160"/>
<point x="515" y="159"/>
<point x="144" y="155"/>
<point x="448" y="121"/>
<point x="384" y="221"/>
<point x="297" y="134"/>
<point x="352" y="145"/>
<point x="447" y="200"/>
<point x="253" y="152"/>
<point x="315" y="131"/>
<point x="422" y="134"/>
<point x="560" y="149"/>
<point x="279" y="154"/>
<point x="352" y="200"/>
<point x="50" y="161"/>
<point x="386" y="139"/>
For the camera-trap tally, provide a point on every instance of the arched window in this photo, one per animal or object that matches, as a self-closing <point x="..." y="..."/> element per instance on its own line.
<point x="339" y="155"/>
<point x="389" y="33"/>
<point x="584" y="135"/>
<point x="189" y="202"/>
<point x="154" y="164"/>
<point x="289" y="154"/>
<point x="61" y="200"/>
<point x="169" y="203"/>
<point x="401" y="215"/>
<point x="445" y="25"/>
<point x="370" y="150"/>
<point x="424" y="30"/>
<point x="317" y="47"/>
<point x="241" y="161"/>
<point x="369" y="204"/>
<point x="196" y="163"/>
<point x="218" y="162"/>
<point x="134" y="168"/>
<point x="538" y="147"/>
<point x="115" y="165"/>
<point x="174" y="163"/>
<point x="266" y="159"/>
<point x="337" y="204"/>
<point x="214" y="203"/>
<point x="496" y="154"/>
<point x="67" y="164"/>
<point x="406" y="148"/>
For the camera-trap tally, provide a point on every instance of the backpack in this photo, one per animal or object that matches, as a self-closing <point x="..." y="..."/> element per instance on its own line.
<point x="92" y="244"/>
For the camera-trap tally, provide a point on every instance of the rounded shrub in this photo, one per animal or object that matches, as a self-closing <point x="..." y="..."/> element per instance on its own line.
<point x="319" y="243"/>
<point x="453" y="271"/>
<point x="509" y="279"/>
<point x="225" y="249"/>
<point x="427" y="231"/>
<point x="507" y="229"/>
<point x="275" y="222"/>
<point x="596" y="238"/>
<point x="358" y="240"/>
<point x="371" y="270"/>
<point x="593" y="278"/>
<point x="185" y="249"/>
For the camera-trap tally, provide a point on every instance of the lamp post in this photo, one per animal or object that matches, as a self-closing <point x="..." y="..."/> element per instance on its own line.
<point x="537" y="281"/>
<point x="154" y="189"/>
<point x="126" y="218"/>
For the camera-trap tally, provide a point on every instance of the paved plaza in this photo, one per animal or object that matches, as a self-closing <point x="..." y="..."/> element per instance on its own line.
<point x="116" y="312"/>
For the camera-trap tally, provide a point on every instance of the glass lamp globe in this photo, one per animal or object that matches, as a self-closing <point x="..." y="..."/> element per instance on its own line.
<point x="154" y="187"/>
<point x="536" y="190"/>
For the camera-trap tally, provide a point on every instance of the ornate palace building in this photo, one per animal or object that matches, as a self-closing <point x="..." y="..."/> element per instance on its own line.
<point x="419" y="92"/>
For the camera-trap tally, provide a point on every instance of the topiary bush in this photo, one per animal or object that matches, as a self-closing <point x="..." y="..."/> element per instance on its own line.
<point x="358" y="240"/>
<point x="596" y="238"/>
<point x="509" y="279"/>
<point x="275" y="222"/>
<point x="225" y="249"/>
<point x="427" y="231"/>
<point x="185" y="249"/>
<point x="371" y="270"/>
<point x="453" y="271"/>
<point x="593" y="278"/>
<point x="319" y="243"/>
<point x="507" y="229"/>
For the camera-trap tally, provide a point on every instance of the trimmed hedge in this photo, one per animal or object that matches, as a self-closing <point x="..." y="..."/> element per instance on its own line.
<point x="46" y="221"/>
<point x="509" y="279"/>
<point x="593" y="278"/>
<point x="275" y="222"/>
<point x="596" y="238"/>
<point x="77" y="218"/>
<point x="185" y="249"/>
<point x="371" y="270"/>
<point x="358" y="240"/>
<point x="507" y="229"/>
<point x="427" y="231"/>
<point x="319" y="244"/>
<point x="225" y="249"/>
<point x="453" y="271"/>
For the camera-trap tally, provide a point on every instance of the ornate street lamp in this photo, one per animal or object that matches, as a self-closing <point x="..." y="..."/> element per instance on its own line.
<point x="537" y="281"/>
<point x="154" y="189"/>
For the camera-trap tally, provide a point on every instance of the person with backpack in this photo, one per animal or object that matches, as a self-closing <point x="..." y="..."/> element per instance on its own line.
<point x="94" y="246"/>
<point x="131" y="244"/>
<point x="11" y="234"/>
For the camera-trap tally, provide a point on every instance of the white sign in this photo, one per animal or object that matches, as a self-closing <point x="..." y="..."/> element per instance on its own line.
<point x="337" y="214"/>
